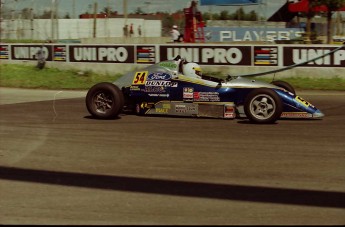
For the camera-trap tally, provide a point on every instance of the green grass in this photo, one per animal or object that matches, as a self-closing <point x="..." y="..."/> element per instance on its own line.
<point x="25" y="76"/>
<point x="307" y="83"/>
<point x="28" y="76"/>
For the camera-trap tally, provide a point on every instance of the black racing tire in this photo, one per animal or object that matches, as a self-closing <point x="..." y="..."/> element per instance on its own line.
<point x="104" y="100"/>
<point x="263" y="106"/>
<point x="284" y="85"/>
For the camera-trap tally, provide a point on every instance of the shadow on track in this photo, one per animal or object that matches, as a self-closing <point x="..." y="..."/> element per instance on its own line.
<point x="178" y="188"/>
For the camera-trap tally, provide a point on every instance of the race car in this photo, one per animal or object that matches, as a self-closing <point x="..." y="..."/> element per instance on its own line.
<point x="178" y="88"/>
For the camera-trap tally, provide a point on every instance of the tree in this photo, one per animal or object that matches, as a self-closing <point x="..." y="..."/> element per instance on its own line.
<point x="139" y="11"/>
<point x="224" y="15"/>
<point x="26" y="13"/>
<point x="207" y="16"/>
<point x="332" y="6"/>
<point x="239" y="14"/>
<point x="45" y="15"/>
<point x="106" y="10"/>
<point x="167" y="22"/>
<point x="252" y="16"/>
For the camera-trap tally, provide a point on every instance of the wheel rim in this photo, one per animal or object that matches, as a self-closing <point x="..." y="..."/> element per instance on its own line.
<point x="103" y="102"/>
<point x="262" y="106"/>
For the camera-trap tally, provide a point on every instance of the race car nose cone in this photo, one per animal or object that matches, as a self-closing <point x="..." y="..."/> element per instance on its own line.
<point x="318" y="114"/>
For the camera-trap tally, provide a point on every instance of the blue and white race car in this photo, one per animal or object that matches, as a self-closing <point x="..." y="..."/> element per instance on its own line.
<point x="178" y="88"/>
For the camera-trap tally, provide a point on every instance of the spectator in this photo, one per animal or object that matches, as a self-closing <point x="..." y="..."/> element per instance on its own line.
<point x="125" y="30"/>
<point x="175" y="34"/>
<point x="139" y="31"/>
<point x="41" y="59"/>
<point x="131" y="31"/>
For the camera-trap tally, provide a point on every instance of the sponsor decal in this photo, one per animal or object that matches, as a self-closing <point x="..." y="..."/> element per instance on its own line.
<point x="4" y="52"/>
<point x="166" y="106"/>
<point x="226" y="34"/>
<point x="188" y="93"/>
<point x="134" y="88"/>
<point x="102" y="54"/>
<point x="159" y="76"/>
<point x="209" y="55"/>
<point x="159" y="95"/>
<point x="161" y="83"/>
<point x="155" y="89"/>
<point x="206" y="96"/>
<point x="59" y="53"/>
<point x="229" y="111"/>
<point x="168" y="65"/>
<point x="146" y="105"/>
<point x="140" y="78"/>
<point x="28" y="52"/>
<point x="297" y="55"/>
<point x="303" y="102"/>
<point x="161" y="110"/>
<point x="180" y="109"/>
<point x="296" y="115"/>
<point x="146" y="54"/>
<point x="158" y="83"/>
<point x="265" y="56"/>
<point x="191" y="108"/>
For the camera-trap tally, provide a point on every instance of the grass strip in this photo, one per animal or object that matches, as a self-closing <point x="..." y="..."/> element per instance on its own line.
<point x="28" y="76"/>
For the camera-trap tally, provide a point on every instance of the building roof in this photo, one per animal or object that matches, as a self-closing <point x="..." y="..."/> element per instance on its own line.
<point x="283" y="14"/>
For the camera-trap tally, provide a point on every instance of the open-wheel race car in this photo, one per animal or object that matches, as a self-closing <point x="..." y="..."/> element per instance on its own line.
<point x="177" y="88"/>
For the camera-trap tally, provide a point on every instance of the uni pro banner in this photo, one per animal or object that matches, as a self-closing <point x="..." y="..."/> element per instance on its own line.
<point x="229" y="2"/>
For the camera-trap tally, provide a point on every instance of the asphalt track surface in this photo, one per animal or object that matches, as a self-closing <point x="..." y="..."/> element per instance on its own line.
<point x="60" y="166"/>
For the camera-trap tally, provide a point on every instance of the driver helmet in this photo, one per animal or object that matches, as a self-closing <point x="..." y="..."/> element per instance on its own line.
<point x="192" y="70"/>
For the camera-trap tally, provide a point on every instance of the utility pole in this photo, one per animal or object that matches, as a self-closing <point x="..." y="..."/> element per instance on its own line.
<point x="108" y="9"/>
<point x="73" y="6"/>
<point x="107" y="20"/>
<point x="262" y="18"/>
<point x="12" y="22"/>
<point x="125" y="10"/>
<point x="52" y="19"/>
<point x="125" y="17"/>
<point x="57" y="20"/>
<point x="95" y="19"/>
<point x="32" y="20"/>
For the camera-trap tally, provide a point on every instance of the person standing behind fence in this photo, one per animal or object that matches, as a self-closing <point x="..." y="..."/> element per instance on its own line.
<point x="41" y="59"/>
<point x="139" y="31"/>
<point x="175" y="34"/>
<point x="131" y="31"/>
<point x="125" y="30"/>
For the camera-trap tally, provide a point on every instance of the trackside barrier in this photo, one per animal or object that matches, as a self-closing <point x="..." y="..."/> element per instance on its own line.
<point x="234" y="59"/>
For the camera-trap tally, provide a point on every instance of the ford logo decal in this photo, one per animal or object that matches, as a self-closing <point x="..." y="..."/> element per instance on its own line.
<point x="159" y="76"/>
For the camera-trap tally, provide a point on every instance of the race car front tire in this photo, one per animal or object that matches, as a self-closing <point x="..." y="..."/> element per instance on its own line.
<point x="284" y="85"/>
<point x="104" y="100"/>
<point x="263" y="106"/>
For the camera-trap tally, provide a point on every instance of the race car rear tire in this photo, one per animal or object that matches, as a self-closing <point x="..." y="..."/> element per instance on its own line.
<point x="263" y="106"/>
<point x="284" y="85"/>
<point x="104" y="100"/>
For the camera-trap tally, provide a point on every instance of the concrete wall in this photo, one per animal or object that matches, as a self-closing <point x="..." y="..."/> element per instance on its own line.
<point x="46" y="29"/>
<point x="124" y="40"/>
